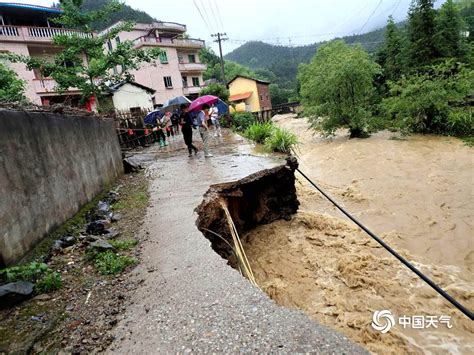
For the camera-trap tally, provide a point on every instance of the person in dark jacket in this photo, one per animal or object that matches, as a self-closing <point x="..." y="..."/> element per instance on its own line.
<point x="187" y="129"/>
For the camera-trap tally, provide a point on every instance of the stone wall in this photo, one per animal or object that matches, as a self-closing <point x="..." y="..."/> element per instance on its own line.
<point x="50" y="166"/>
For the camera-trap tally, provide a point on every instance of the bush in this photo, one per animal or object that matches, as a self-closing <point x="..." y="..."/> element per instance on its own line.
<point x="434" y="102"/>
<point x="259" y="132"/>
<point x="40" y="274"/>
<point x="110" y="263"/>
<point x="281" y="141"/>
<point x="242" y="120"/>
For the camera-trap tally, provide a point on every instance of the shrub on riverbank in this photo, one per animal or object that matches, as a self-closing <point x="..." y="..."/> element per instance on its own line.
<point x="281" y="141"/>
<point x="242" y="120"/>
<point x="259" y="132"/>
<point x="274" y="139"/>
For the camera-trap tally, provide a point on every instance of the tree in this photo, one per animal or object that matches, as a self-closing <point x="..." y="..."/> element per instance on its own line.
<point x="337" y="88"/>
<point x="421" y="34"/>
<point x="216" y="89"/>
<point x="83" y="61"/>
<point x="11" y="87"/>
<point x="449" y="31"/>
<point x="390" y="55"/>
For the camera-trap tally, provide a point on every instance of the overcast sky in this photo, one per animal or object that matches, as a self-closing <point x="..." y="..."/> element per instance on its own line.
<point x="274" y="21"/>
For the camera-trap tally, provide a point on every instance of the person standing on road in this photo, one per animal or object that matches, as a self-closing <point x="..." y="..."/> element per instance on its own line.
<point x="214" y="113"/>
<point x="203" y="125"/>
<point x="175" y="117"/>
<point x="160" y="125"/>
<point x="187" y="129"/>
<point x="168" y="124"/>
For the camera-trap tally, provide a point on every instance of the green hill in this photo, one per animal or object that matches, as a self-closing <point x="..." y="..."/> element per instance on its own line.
<point x="260" y="55"/>
<point x="127" y="13"/>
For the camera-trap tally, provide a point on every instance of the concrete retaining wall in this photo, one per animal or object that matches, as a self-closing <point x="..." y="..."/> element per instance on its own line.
<point x="50" y="166"/>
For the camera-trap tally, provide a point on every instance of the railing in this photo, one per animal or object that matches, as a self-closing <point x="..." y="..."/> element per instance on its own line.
<point x="189" y="42"/>
<point x="26" y="33"/>
<point x="49" y="32"/>
<point x="192" y="66"/>
<point x="170" y="25"/>
<point x="10" y="31"/>
<point x="189" y="90"/>
<point x="47" y="85"/>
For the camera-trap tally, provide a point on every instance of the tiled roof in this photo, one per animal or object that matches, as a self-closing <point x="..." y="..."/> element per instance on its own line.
<point x="239" y="97"/>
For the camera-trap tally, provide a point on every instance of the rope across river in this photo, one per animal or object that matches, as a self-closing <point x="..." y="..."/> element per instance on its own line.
<point x="404" y="261"/>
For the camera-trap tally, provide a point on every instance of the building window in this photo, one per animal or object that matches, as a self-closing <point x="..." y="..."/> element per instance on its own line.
<point x="195" y="81"/>
<point x="261" y="97"/>
<point x="180" y="58"/>
<point x="168" y="82"/>
<point x="117" y="40"/>
<point x="185" y="81"/>
<point x="192" y="58"/>
<point x="164" y="57"/>
<point x="109" y="45"/>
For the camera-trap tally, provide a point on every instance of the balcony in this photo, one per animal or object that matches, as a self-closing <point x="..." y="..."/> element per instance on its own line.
<point x="190" y="90"/>
<point x="192" y="67"/>
<point x="168" y="42"/>
<point x="47" y="86"/>
<point x="169" y="26"/>
<point x="35" y="34"/>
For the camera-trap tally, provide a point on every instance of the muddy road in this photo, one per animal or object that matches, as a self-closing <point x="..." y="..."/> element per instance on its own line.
<point x="417" y="194"/>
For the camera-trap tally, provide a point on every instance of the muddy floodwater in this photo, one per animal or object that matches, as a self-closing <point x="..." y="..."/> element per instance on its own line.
<point x="417" y="194"/>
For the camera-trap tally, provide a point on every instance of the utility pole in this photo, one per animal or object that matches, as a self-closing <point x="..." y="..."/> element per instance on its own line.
<point x="220" y="38"/>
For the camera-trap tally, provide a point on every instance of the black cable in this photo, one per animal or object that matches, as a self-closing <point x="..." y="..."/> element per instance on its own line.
<point x="438" y="289"/>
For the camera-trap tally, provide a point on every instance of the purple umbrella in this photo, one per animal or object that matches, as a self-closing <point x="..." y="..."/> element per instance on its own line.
<point x="196" y="105"/>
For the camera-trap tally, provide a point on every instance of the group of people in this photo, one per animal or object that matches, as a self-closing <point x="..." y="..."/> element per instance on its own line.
<point x="202" y="120"/>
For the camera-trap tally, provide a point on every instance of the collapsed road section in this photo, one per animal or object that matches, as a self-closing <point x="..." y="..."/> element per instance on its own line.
<point x="189" y="299"/>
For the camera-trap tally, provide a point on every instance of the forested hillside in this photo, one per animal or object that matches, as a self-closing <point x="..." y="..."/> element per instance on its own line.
<point x="127" y="13"/>
<point x="279" y="64"/>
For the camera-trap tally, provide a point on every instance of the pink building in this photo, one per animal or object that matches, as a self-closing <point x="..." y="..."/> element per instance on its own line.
<point x="28" y="30"/>
<point x="178" y="71"/>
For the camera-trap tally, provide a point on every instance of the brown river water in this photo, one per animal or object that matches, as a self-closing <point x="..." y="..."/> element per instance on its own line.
<point x="417" y="194"/>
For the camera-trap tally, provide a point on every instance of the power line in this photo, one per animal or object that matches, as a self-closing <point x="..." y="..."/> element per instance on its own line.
<point x="202" y="17"/>
<point x="370" y="17"/>
<point x="204" y="9"/>
<point x="213" y="14"/>
<point x="219" y="14"/>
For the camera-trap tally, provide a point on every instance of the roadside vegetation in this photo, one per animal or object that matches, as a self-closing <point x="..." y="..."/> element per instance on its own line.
<point x="44" y="279"/>
<point x="274" y="139"/>
<point x="420" y="81"/>
<point x="78" y="280"/>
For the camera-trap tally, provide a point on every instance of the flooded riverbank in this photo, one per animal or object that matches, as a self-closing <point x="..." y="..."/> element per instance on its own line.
<point x="417" y="194"/>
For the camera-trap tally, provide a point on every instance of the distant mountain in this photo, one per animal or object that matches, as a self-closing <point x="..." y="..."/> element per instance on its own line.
<point x="127" y="13"/>
<point x="260" y="55"/>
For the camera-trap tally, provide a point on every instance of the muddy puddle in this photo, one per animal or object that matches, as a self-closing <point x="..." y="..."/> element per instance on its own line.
<point x="417" y="194"/>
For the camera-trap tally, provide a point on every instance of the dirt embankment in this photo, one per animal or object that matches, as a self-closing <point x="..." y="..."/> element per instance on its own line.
<point x="416" y="193"/>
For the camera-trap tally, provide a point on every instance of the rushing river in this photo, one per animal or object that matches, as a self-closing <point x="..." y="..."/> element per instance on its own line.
<point x="417" y="194"/>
